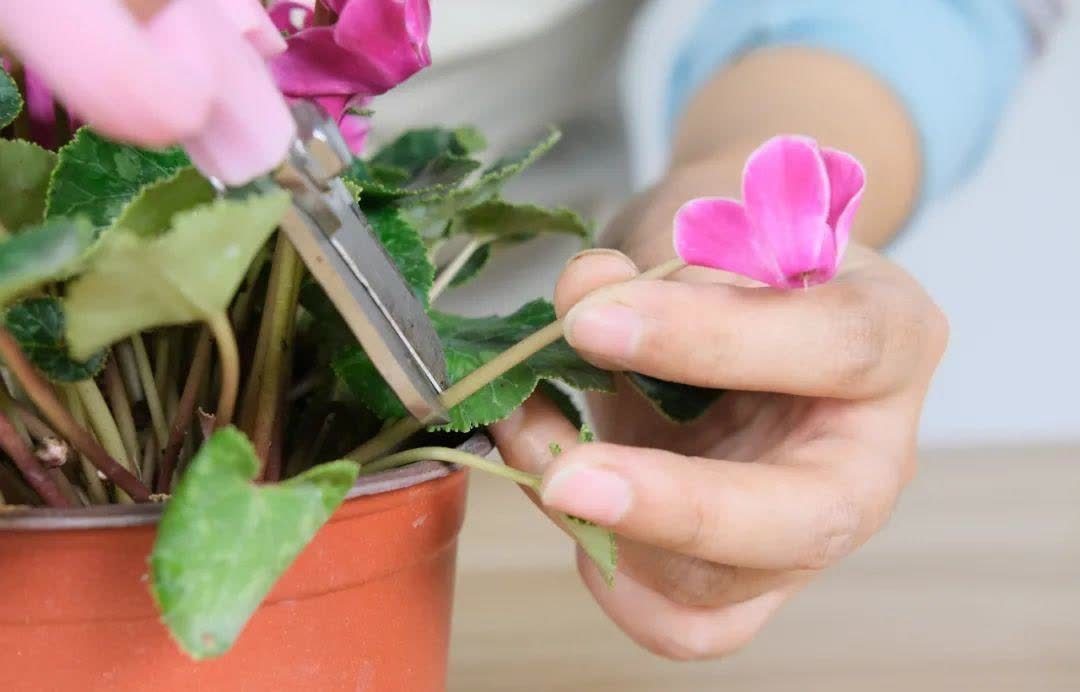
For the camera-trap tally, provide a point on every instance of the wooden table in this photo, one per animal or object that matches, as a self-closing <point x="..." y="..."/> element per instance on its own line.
<point x="974" y="585"/>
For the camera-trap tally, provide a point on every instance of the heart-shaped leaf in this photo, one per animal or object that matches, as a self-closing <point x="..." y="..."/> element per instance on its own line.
<point x="223" y="541"/>
<point x="151" y="211"/>
<point x="432" y="155"/>
<point x="38" y="325"/>
<point x="97" y="178"/>
<point x="38" y="255"/>
<point x="11" y="101"/>
<point x="24" y="178"/>
<point x="135" y="282"/>
<point x="469" y="343"/>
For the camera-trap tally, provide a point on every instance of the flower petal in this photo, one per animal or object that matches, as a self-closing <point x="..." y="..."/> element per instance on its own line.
<point x="786" y="192"/>
<point x="716" y="232"/>
<point x="290" y="16"/>
<point x="390" y="35"/>
<point x="847" y="180"/>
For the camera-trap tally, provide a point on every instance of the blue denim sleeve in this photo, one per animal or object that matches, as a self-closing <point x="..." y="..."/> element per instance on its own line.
<point x="952" y="62"/>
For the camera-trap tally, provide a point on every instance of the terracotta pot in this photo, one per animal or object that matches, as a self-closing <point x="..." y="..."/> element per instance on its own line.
<point x="366" y="606"/>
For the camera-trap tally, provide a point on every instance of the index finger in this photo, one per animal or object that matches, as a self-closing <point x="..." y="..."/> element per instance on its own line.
<point x="142" y="85"/>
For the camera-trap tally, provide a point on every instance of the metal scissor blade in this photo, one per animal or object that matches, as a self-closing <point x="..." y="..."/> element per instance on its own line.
<point x="379" y="308"/>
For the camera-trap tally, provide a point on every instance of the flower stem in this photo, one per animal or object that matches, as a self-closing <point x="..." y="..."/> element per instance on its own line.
<point x="275" y="345"/>
<point x="454" y="267"/>
<point x="229" y="358"/>
<point x="42" y="395"/>
<point x="184" y="411"/>
<point x="121" y="411"/>
<point x="150" y="391"/>
<point x="94" y="487"/>
<point x="104" y="426"/>
<point x="396" y="433"/>
<point x="453" y="456"/>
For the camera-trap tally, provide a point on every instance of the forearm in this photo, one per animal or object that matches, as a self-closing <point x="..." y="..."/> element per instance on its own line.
<point x="768" y="92"/>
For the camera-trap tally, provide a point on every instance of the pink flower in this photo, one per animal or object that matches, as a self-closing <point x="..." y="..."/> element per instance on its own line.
<point x="792" y="228"/>
<point x="373" y="46"/>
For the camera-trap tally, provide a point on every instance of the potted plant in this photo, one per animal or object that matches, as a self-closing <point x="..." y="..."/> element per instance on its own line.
<point x="203" y="478"/>
<point x="191" y="438"/>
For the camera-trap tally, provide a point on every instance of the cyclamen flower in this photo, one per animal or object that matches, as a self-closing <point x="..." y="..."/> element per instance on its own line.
<point x="291" y="17"/>
<point x="791" y="229"/>
<point x="373" y="46"/>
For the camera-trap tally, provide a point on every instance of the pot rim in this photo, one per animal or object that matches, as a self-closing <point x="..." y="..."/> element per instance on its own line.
<point x="146" y="514"/>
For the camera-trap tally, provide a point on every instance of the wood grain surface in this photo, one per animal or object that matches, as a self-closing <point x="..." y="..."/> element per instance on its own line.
<point x="974" y="585"/>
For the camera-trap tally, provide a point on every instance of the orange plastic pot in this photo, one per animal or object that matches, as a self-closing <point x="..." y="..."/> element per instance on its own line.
<point x="366" y="606"/>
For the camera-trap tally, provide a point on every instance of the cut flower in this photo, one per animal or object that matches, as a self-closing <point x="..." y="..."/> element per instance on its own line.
<point x="792" y="227"/>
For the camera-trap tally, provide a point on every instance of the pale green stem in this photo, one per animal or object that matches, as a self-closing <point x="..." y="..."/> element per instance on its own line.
<point x="125" y="357"/>
<point x="104" y="426"/>
<point x="393" y="435"/>
<point x="453" y="456"/>
<point x="279" y="266"/>
<point x="277" y="331"/>
<point x="94" y="487"/>
<point x="450" y="272"/>
<point x="150" y="390"/>
<point x="121" y="411"/>
<point x="229" y="359"/>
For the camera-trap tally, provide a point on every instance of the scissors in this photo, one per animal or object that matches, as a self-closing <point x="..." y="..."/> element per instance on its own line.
<point x="342" y="252"/>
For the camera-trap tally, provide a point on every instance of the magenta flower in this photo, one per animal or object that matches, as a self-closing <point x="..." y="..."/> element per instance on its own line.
<point x="373" y="46"/>
<point x="354" y="126"/>
<point x="791" y="229"/>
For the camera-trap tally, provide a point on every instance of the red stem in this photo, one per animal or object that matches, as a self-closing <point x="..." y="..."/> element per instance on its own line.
<point x="42" y="395"/>
<point x="185" y="412"/>
<point x="29" y="465"/>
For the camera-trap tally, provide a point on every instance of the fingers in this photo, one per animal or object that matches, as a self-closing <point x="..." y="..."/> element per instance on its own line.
<point x="186" y="75"/>
<point x="249" y="127"/>
<point x="856" y="337"/>
<point x="764" y="516"/>
<point x="675" y="631"/>
<point x="696" y="583"/>
<point x="150" y="87"/>
<point x="588" y="271"/>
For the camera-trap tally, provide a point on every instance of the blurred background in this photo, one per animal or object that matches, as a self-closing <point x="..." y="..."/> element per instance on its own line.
<point x="976" y="583"/>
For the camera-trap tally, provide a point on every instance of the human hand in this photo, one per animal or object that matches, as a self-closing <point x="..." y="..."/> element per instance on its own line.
<point x="157" y="73"/>
<point x="801" y="461"/>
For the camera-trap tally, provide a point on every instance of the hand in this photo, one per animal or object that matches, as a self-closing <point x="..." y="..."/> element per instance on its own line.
<point x="723" y="520"/>
<point x="191" y="73"/>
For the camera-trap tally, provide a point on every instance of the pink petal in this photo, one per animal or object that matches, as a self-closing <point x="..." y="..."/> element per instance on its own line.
<point x="354" y="127"/>
<point x="847" y="180"/>
<point x="786" y="192"/>
<point x="391" y="35"/>
<point x="251" y="20"/>
<point x="41" y="110"/>
<point x="716" y="232"/>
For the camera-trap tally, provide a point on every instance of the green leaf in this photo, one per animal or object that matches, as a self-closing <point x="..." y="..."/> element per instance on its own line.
<point x="97" y="178"/>
<point x="24" y="177"/>
<point x="135" y="282"/>
<point x="430" y="211"/>
<point x="38" y="255"/>
<point x="38" y="325"/>
<point x="11" y="101"/>
<point x="512" y="223"/>
<point x="469" y="343"/>
<point x="151" y="211"/>
<point x="223" y="541"/>
<point x="597" y="542"/>
<point x="473" y="266"/>
<point x="563" y="402"/>
<point x="681" y="403"/>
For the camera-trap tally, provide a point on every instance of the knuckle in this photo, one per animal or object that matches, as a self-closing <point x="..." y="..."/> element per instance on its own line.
<point x="861" y="330"/>
<point x="833" y="533"/>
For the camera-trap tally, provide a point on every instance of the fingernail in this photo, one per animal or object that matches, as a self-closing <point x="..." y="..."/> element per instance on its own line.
<point x="609" y="330"/>
<point x="588" y="492"/>
<point x="602" y="252"/>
